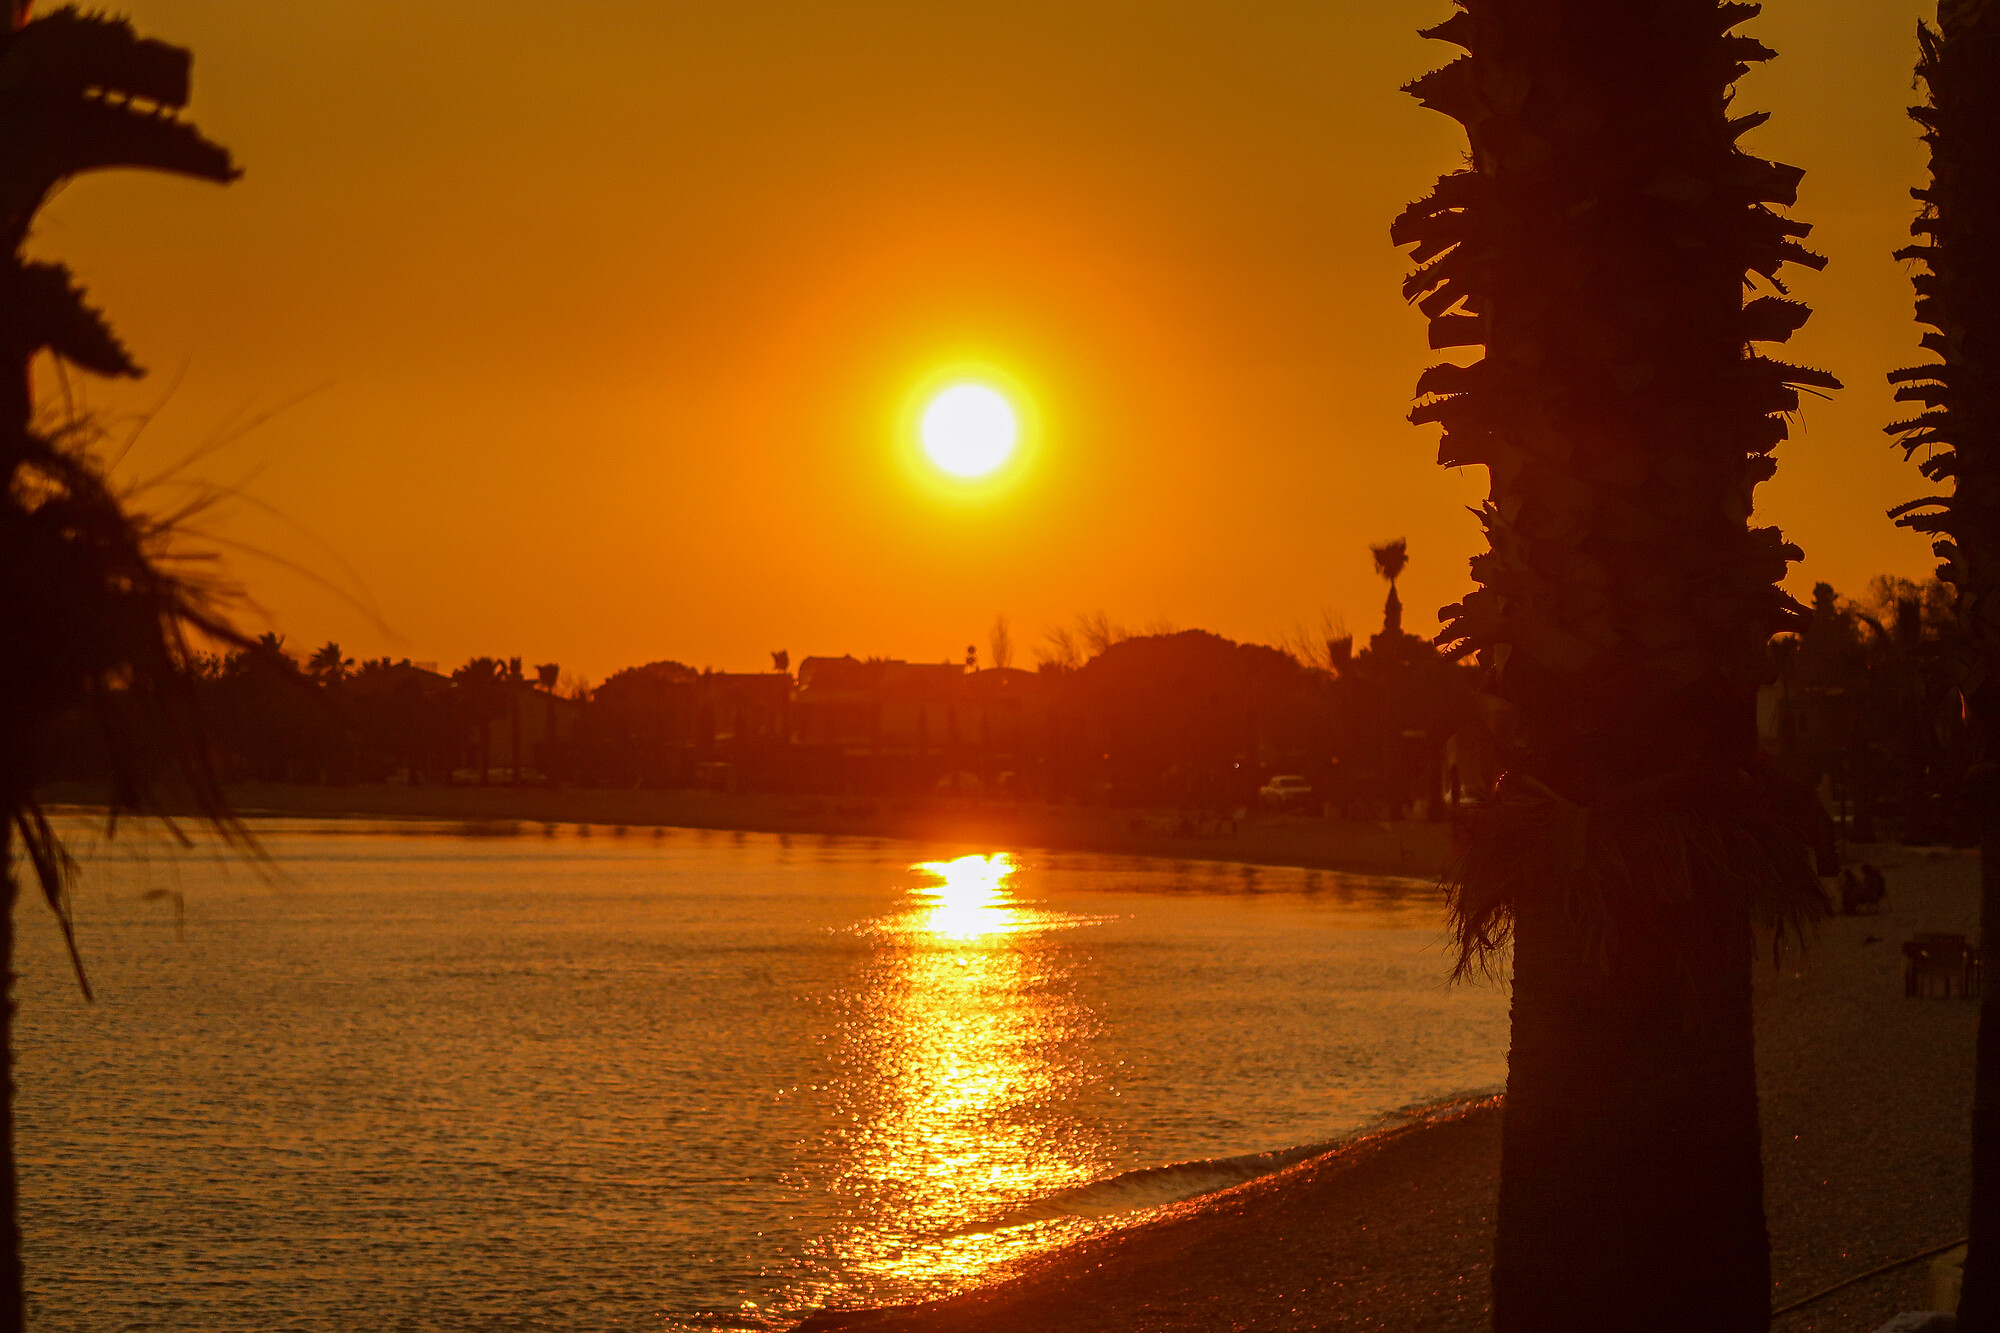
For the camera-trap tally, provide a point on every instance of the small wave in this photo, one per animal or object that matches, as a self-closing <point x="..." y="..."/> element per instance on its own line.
<point x="1154" y="1186"/>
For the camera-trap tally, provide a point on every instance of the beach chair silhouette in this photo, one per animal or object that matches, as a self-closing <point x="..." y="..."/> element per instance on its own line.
<point x="1932" y="961"/>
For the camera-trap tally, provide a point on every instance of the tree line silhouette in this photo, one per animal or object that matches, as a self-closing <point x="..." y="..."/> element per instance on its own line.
<point x="1179" y="717"/>
<point x="1861" y="704"/>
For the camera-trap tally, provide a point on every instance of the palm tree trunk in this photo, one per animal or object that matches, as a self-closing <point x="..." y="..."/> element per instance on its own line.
<point x="1979" y="1299"/>
<point x="1959" y="298"/>
<point x="13" y="1296"/>
<point x="1631" y="1186"/>
<point x="1597" y="246"/>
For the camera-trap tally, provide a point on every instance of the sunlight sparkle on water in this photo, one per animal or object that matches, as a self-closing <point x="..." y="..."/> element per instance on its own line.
<point x="975" y="1033"/>
<point x="970" y="898"/>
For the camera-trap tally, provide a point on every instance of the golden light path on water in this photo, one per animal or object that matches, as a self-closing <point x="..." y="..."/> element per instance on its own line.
<point x="973" y="1039"/>
<point x="970" y="899"/>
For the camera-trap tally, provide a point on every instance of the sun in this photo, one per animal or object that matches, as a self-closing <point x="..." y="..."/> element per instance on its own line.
<point x="969" y="430"/>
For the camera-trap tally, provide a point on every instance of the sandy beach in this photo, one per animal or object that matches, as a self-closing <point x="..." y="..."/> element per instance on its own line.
<point x="1865" y="1103"/>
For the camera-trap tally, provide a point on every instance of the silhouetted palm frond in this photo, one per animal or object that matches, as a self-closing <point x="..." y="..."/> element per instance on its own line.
<point x="1957" y="432"/>
<point x="1957" y="436"/>
<point x="1391" y="558"/>
<point x="104" y="605"/>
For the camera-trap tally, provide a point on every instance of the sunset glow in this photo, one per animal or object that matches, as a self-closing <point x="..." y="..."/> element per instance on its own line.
<point x="758" y="269"/>
<point x="771" y="666"/>
<point x="969" y="430"/>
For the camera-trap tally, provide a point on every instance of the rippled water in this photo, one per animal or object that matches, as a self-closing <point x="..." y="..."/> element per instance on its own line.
<point x="439" y="1077"/>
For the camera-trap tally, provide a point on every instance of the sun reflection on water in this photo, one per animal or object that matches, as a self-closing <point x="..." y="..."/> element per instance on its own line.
<point x="970" y="898"/>
<point x="970" y="1048"/>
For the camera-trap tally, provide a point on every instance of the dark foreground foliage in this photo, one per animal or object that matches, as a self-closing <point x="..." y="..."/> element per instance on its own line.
<point x="94" y="609"/>
<point x="1958" y="436"/>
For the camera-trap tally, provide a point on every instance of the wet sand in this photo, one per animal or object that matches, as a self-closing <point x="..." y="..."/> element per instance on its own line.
<point x="1399" y="847"/>
<point x="1865" y="1094"/>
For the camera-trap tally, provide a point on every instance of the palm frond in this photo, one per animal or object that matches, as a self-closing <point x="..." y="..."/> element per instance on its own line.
<point x="1956" y="286"/>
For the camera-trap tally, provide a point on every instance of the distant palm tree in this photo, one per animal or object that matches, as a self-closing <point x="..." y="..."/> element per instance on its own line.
<point x="515" y="684"/>
<point x="483" y="696"/>
<point x="327" y="665"/>
<point x="1391" y="559"/>
<point x="1597" y="244"/>
<point x="547" y="677"/>
<point x="1959" y="433"/>
<point x="96" y="617"/>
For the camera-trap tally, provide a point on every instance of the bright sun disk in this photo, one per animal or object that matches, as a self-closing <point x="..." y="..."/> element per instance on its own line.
<point x="969" y="430"/>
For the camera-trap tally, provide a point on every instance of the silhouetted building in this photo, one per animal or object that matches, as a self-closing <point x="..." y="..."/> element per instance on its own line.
<point x="745" y="727"/>
<point x="549" y="725"/>
<point x="909" y="727"/>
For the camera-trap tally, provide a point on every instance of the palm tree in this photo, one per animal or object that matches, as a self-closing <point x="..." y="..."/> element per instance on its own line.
<point x="483" y="695"/>
<point x="327" y="665"/>
<point x="1960" y="67"/>
<point x="1391" y="559"/>
<point x="515" y="684"/>
<point x="1597" y="245"/>
<point x="96" y="616"/>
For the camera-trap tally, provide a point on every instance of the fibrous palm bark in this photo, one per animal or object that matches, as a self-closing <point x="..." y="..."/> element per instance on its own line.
<point x="1960" y="227"/>
<point x="92" y="615"/>
<point x="1598" y="245"/>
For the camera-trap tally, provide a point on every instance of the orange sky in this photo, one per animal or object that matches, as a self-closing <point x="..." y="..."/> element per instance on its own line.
<point x="604" y="313"/>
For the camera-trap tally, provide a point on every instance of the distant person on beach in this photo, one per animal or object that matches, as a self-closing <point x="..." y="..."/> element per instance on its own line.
<point x="1866" y="889"/>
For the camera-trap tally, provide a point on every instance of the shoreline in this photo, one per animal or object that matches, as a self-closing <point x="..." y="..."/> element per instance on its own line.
<point x="1258" y="1255"/>
<point x="1865" y="1099"/>
<point x="1148" y="1187"/>
<point x="1405" y="848"/>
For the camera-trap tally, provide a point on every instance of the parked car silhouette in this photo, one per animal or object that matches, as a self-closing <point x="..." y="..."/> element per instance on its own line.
<point x="1286" y="790"/>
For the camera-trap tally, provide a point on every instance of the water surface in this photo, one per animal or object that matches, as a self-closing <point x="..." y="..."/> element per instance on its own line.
<point x="436" y="1076"/>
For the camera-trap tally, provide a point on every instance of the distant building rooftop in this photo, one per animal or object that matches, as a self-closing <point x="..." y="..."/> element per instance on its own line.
<point x="882" y="677"/>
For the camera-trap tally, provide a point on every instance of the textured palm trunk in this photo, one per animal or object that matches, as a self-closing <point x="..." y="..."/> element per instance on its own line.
<point x="1979" y="1298"/>
<point x="13" y="1296"/>
<point x="1597" y="246"/>
<point x="1959" y="298"/>
<point x="1631" y="1187"/>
